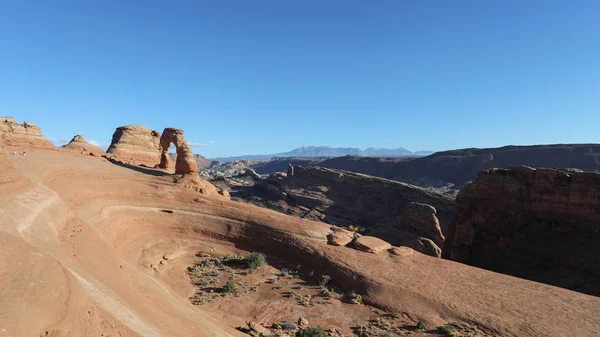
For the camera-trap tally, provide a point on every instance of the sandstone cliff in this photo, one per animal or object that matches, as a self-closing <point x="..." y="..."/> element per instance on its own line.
<point x="136" y="144"/>
<point x="541" y="224"/>
<point x="79" y="144"/>
<point x="26" y="135"/>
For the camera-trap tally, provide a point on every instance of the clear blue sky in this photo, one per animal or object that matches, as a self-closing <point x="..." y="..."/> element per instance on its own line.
<point x="268" y="76"/>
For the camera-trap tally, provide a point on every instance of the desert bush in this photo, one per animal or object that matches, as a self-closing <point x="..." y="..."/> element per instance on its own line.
<point x="353" y="297"/>
<point x="288" y="325"/>
<point x="420" y="325"/>
<point x="285" y="272"/>
<point x="229" y="287"/>
<point x="311" y="332"/>
<point x="324" y="280"/>
<point x="256" y="260"/>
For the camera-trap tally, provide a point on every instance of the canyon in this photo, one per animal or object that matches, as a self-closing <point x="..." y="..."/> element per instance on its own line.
<point x="107" y="245"/>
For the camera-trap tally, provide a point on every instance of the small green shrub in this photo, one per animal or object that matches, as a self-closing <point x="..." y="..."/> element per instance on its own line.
<point x="229" y="287"/>
<point x="256" y="260"/>
<point x="447" y="330"/>
<point x="420" y="325"/>
<point x="353" y="297"/>
<point x="288" y="325"/>
<point x="324" y="280"/>
<point x="311" y="332"/>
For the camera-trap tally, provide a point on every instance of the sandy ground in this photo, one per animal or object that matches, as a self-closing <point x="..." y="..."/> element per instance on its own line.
<point x="83" y="241"/>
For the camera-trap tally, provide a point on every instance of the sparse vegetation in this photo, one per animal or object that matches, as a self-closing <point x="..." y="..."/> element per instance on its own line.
<point x="420" y="325"/>
<point x="229" y="287"/>
<point x="324" y="280"/>
<point x="287" y="325"/>
<point x="256" y="260"/>
<point x="311" y="332"/>
<point x="353" y="297"/>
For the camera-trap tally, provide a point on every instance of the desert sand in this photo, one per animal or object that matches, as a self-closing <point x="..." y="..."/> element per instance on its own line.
<point x="90" y="247"/>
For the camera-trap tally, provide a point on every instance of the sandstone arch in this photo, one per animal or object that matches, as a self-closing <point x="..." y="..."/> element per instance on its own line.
<point x="185" y="163"/>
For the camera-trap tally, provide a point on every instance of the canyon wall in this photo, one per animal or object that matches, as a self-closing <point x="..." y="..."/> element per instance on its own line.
<point x="541" y="225"/>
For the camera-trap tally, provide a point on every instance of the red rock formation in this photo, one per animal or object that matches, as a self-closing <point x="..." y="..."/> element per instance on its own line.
<point x="8" y="173"/>
<point x="26" y="135"/>
<point x="79" y="144"/>
<point x="186" y="162"/>
<point x="136" y="145"/>
<point x="539" y="224"/>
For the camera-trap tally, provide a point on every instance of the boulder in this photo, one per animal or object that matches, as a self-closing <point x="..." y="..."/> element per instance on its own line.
<point x="136" y="145"/>
<point x="257" y="328"/>
<point x="402" y="251"/>
<point x="420" y="218"/>
<point x="26" y="135"/>
<point x="79" y="144"/>
<point x="423" y="245"/>
<point x="185" y="162"/>
<point x="302" y="322"/>
<point x="339" y="236"/>
<point x="371" y="244"/>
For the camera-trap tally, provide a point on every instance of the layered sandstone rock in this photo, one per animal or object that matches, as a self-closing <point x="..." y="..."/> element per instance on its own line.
<point x="371" y="244"/>
<point x="26" y="135"/>
<point x="186" y="162"/>
<point x="136" y="145"/>
<point x="79" y="144"/>
<point x="339" y="236"/>
<point x="539" y="224"/>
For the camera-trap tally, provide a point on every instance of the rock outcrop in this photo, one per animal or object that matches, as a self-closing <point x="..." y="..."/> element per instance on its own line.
<point x="371" y="244"/>
<point x="339" y="236"/>
<point x="401" y="214"/>
<point x="135" y="144"/>
<point x="185" y="162"/>
<point x="541" y="224"/>
<point x="26" y="135"/>
<point x="79" y="144"/>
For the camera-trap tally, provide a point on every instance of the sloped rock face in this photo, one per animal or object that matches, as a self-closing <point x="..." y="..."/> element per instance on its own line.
<point x="399" y="213"/>
<point x="136" y="145"/>
<point x="186" y="161"/>
<point x="78" y="143"/>
<point x="8" y="173"/>
<point x="352" y="198"/>
<point x="541" y="224"/>
<point x="26" y="135"/>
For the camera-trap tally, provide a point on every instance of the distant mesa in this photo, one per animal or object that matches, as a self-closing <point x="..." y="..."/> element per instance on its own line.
<point x="136" y="145"/>
<point x="79" y="144"/>
<point x="26" y="135"/>
<point x="326" y="151"/>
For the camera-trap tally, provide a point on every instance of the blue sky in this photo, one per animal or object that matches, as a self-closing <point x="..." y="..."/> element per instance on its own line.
<point x="267" y="76"/>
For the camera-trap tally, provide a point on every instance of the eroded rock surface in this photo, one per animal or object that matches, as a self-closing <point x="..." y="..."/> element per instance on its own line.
<point x="136" y="145"/>
<point x="541" y="224"/>
<point x="78" y="143"/>
<point x="185" y="162"/>
<point x="26" y="135"/>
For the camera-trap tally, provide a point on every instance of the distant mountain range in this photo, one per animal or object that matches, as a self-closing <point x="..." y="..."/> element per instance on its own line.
<point x="326" y="151"/>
